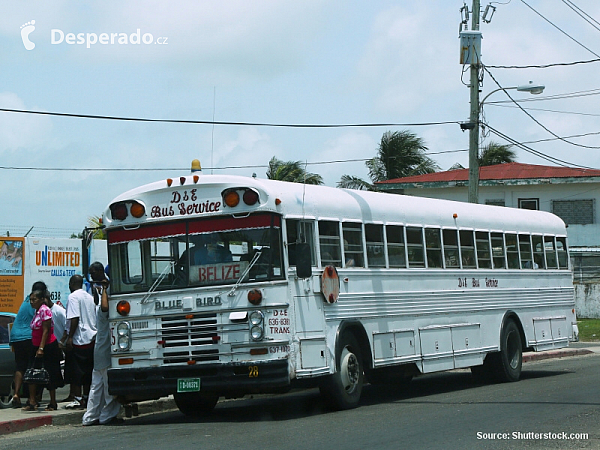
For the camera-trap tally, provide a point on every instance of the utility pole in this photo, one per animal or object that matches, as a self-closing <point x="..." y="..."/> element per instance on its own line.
<point x="474" y="117"/>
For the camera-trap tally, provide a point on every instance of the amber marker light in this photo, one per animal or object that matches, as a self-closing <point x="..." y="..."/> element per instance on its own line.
<point x="169" y="182"/>
<point x="123" y="307"/>
<point x="231" y="198"/>
<point x="125" y="361"/>
<point x="137" y="210"/>
<point x="196" y="178"/>
<point x="191" y="362"/>
<point x="258" y="351"/>
<point x="455" y="215"/>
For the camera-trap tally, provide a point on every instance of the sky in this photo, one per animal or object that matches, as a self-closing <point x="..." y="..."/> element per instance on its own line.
<point x="270" y="62"/>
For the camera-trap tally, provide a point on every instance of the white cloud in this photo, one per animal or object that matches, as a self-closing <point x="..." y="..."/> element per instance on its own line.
<point x="19" y="131"/>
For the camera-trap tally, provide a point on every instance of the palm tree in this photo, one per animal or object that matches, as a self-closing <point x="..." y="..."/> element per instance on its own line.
<point x="494" y="153"/>
<point x="400" y="154"/>
<point x="291" y="171"/>
<point x="95" y="226"/>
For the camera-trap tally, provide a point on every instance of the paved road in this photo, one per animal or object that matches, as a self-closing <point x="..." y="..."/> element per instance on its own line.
<point x="445" y="411"/>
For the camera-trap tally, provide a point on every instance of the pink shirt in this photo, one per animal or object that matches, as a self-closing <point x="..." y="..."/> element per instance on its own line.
<point x="42" y="314"/>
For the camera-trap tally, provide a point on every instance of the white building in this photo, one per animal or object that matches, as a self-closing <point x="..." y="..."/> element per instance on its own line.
<point x="570" y="193"/>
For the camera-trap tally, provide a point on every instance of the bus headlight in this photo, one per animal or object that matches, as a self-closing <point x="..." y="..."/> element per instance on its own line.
<point x="123" y="336"/>
<point x="256" y="317"/>
<point x="256" y="321"/>
<point x="124" y="342"/>
<point x="257" y="333"/>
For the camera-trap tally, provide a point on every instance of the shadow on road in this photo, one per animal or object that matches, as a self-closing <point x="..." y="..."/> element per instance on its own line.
<point x="306" y="403"/>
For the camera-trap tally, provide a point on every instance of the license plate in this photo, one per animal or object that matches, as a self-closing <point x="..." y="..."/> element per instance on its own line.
<point x="188" y="384"/>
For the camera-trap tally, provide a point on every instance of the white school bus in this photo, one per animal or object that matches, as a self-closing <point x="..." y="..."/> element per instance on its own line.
<point x="223" y="286"/>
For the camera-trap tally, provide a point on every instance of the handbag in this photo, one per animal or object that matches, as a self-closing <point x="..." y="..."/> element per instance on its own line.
<point x="39" y="376"/>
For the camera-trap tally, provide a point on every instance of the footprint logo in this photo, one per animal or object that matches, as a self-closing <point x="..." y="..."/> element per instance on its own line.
<point x="26" y="30"/>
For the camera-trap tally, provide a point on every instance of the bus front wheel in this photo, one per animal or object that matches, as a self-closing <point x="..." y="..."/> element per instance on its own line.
<point x="195" y="403"/>
<point x="342" y="390"/>
<point x="509" y="361"/>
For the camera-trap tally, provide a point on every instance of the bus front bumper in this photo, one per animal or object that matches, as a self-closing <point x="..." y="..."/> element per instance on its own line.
<point x="230" y="379"/>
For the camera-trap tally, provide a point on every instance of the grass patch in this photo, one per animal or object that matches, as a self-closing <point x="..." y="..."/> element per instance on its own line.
<point x="589" y="330"/>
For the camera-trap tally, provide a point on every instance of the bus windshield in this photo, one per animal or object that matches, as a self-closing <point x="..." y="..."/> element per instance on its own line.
<point x="206" y="252"/>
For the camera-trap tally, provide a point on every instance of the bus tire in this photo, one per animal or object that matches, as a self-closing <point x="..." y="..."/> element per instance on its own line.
<point x="195" y="403"/>
<point x="342" y="390"/>
<point x="509" y="361"/>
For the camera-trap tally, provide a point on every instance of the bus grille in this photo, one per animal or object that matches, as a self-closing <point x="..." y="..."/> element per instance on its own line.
<point x="190" y="339"/>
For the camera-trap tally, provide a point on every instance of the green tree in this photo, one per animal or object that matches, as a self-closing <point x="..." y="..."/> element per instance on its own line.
<point x="95" y="226"/>
<point x="291" y="171"/>
<point x="495" y="153"/>
<point x="400" y="154"/>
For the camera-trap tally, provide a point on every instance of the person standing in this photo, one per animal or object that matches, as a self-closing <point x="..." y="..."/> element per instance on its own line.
<point x="45" y="346"/>
<point x="20" y="340"/>
<point x="81" y="312"/>
<point x="102" y="408"/>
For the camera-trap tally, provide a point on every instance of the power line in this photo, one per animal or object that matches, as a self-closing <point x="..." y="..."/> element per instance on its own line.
<point x="212" y="122"/>
<point x="539" y="154"/>
<point x="545" y="66"/>
<point x="581" y="13"/>
<point x="548" y="110"/>
<point x="559" y="29"/>
<point x="533" y="118"/>
<point x="567" y="95"/>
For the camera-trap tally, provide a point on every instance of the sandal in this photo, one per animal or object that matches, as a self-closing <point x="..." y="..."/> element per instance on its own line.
<point x="51" y="407"/>
<point x="29" y="407"/>
<point x="16" y="402"/>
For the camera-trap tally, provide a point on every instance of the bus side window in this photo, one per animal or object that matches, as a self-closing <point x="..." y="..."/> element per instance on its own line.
<point x="451" y="248"/>
<point x="329" y="243"/>
<point x="433" y="246"/>
<point x="353" y="245"/>
<point x="467" y="249"/>
<point x="375" y="245"/>
<point x="512" y="251"/>
<point x="538" y="252"/>
<point x="482" y="239"/>
<point x="498" y="250"/>
<point x="550" y="249"/>
<point x="525" y="251"/>
<point x="299" y="231"/>
<point x="414" y="245"/>
<point x="561" y="247"/>
<point x="395" y="245"/>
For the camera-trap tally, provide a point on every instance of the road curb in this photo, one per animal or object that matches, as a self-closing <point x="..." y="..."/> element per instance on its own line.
<point x="71" y="417"/>
<point x="25" y="424"/>
<point x="538" y="356"/>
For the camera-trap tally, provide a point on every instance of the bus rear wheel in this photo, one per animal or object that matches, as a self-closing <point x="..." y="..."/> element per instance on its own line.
<point x="195" y="403"/>
<point x="342" y="390"/>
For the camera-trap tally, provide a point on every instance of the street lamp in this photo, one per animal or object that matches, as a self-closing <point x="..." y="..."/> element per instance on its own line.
<point x="474" y="134"/>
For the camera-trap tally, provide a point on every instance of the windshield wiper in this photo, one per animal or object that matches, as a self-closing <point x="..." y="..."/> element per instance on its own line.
<point x="243" y="275"/>
<point x="161" y="277"/>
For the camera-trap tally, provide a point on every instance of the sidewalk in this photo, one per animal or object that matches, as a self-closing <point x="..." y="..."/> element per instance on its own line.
<point x="13" y="420"/>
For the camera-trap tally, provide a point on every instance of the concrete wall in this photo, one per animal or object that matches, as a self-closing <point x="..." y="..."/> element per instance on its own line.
<point x="587" y="301"/>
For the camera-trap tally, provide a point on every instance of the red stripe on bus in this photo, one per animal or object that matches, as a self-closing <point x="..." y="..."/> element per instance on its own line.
<point x="148" y="232"/>
<point x="230" y="223"/>
<point x="202" y="226"/>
